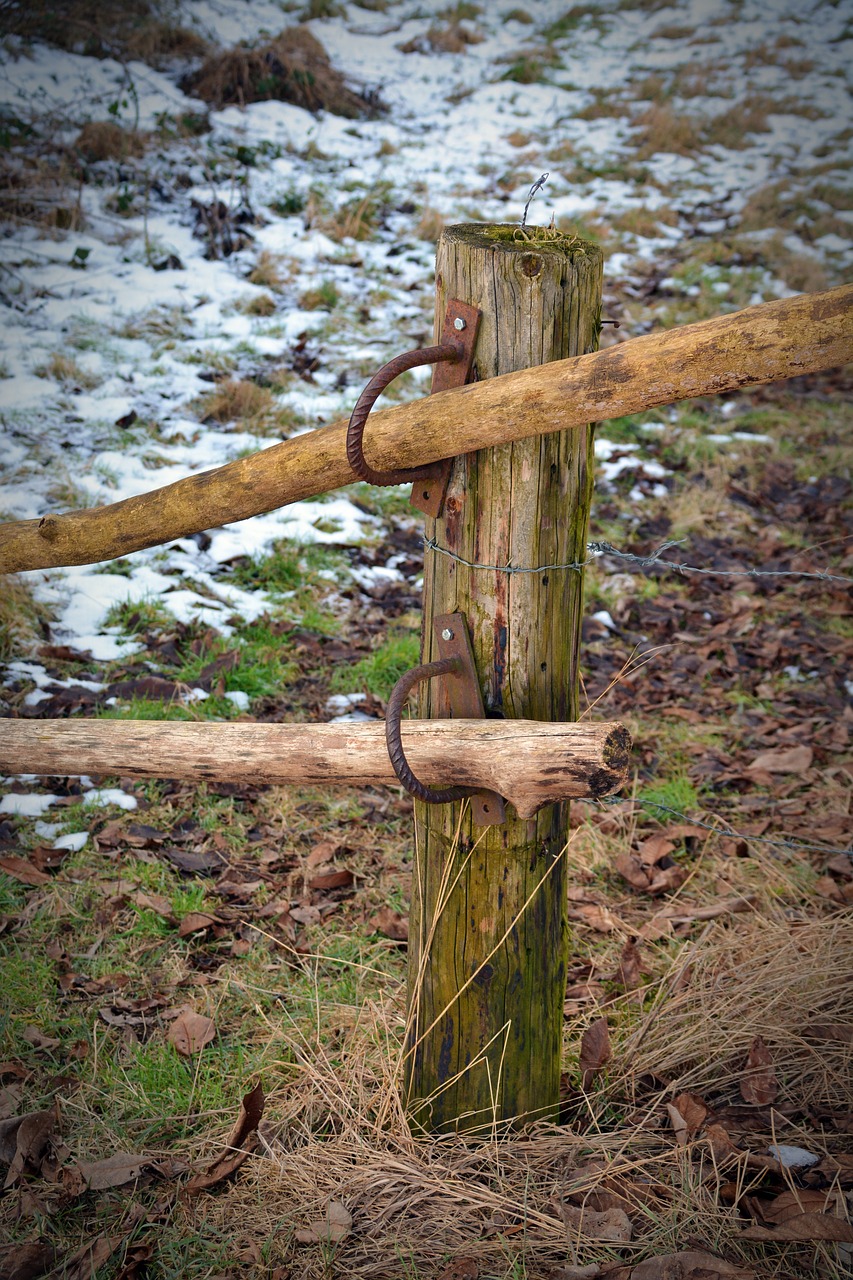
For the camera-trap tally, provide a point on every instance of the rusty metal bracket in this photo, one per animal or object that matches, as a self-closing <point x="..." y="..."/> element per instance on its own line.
<point x="460" y="321"/>
<point x="456" y="663"/>
<point x="453" y="359"/>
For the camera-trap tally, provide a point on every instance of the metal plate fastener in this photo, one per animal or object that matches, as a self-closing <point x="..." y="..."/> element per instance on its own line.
<point x="456" y="662"/>
<point x="453" y="360"/>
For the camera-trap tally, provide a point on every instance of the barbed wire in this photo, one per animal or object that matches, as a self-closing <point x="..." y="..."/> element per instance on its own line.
<point x="791" y="843"/>
<point x="597" y="549"/>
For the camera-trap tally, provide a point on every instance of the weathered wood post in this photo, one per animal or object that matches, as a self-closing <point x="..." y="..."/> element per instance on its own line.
<point x="489" y="934"/>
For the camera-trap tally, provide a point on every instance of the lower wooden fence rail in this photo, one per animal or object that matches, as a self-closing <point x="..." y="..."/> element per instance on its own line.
<point x="529" y="763"/>
<point x="760" y="344"/>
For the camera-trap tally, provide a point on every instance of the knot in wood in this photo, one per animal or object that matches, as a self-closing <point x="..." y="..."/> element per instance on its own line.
<point x="531" y="264"/>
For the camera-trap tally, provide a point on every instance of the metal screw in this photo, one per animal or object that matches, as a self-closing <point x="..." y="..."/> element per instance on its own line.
<point x="459" y="324"/>
<point x="447" y="634"/>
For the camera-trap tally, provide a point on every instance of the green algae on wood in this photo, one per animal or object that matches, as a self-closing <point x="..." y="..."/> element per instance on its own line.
<point x="488" y="939"/>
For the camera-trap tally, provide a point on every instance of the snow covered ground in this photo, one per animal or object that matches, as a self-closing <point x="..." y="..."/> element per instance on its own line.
<point x="113" y="332"/>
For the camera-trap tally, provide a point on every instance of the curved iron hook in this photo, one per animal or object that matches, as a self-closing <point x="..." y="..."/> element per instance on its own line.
<point x="366" y="401"/>
<point x="393" y="733"/>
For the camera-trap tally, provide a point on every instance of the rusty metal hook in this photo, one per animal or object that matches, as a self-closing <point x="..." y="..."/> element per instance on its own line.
<point x="371" y="393"/>
<point x="393" y="732"/>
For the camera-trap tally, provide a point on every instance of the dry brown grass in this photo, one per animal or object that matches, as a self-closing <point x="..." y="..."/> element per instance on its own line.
<point x="292" y="67"/>
<point x="143" y="29"/>
<point x="106" y="140"/>
<point x="772" y="977"/>
<point x="268" y="271"/>
<point x="643" y="221"/>
<point x="238" y="401"/>
<point x="430" y="225"/>
<point x="260" y="304"/>
<point x="66" y="370"/>
<point x="662" y="128"/>
<point x="336" y="1128"/>
<point x="23" y="622"/>
<point x="453" y="36"/>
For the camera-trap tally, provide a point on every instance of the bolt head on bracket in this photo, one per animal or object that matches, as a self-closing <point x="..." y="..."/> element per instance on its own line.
<point x="488" y="809"/>
<point x="461" y="324"/>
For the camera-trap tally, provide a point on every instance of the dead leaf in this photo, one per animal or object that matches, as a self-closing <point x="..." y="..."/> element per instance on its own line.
<point x="628" y="974"/>
<point x="83" y="1264"/>
<point x="784" y="760"/>
<point x="595" y="1050"/>
<point x="689" y="1264"/>
<point x="595" y="915"/>
<point x="196" y="863"/>
<point x="23" y="870"/>
<point x="321" y="853"/>
<point x="609" y="1224"/>
<point x="391" y="923"/>
<point x="665" y="879"/>
<point x="693" y="1110"/>
<point x="47" y="859"/>
<point x="29" y="1134"/>
<point x="720" y="1143"/>
<point x="793" y="1204"/>
<point x="336" y="1225"/>
<point x="759" y="1085"/>
<point x="631" y="869"/>
<point x="461" y="1269"/>
<point x="136" y="1260"/>
<point x="155" y="902"/>
<point x="331" y="880"/>
<point x="840" y="1032"/>
<point x="654" y="848"/>
<point x="806" y="1226"/>
<point x="239" y="1144"/>
<point x="114" y="1171"/>
<point x="679" y="1124"/>
<point x="26" y="1261"/>
<point x="190" y="1032"/>
<point x="196" y="922"/>
<point x="36" y="1037"/>
<point x="571" y="1272"/>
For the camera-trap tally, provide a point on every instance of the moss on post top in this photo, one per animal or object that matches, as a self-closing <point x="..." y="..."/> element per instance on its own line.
<point x="510" y="236"/>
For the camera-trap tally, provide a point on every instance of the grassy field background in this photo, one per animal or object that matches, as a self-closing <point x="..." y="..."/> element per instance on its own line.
<point x="185" y="279"/>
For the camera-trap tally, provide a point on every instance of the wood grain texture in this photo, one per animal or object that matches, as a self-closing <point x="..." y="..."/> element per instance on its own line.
<point x="530" y="764"/>
<point x="761" y="344"/>
<point x="493" y="1051"/>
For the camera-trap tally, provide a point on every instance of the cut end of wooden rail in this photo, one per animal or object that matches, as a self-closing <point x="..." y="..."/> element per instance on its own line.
<point x="529" y="763"/>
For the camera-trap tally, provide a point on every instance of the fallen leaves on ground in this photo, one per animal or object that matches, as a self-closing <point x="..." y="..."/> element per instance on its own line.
<point x="23" y="1141"/>
<point x="239" y="1144"/>
<point x="758" y="1084"/>
<point x="690" y="1264"/>
<point x="26" y="1261"/>
<point x="85" y="1262"/>
<point x="612" y="1225"/>
<point x="805" y="1226"/>
<point x="190" y="1032"/>
<point x="461" y="1269"/>
<point x="23" y="870"/>
<point x="335" y="1226"/>
<point x="784" y="760"/>
<point x="114" y="1171"/>
<point x="391" y="924"/>
<point x="596" y="1050"/>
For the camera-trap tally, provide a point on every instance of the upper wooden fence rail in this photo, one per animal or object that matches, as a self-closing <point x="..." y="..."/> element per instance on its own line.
<point x="764" y="343"/>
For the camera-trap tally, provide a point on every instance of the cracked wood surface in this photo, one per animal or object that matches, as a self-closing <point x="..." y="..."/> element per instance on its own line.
<point x="490" y="1048"/>
<point x="529" y="764"/>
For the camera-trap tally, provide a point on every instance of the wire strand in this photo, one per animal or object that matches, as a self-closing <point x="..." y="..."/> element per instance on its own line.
<point x="597" y="549"/>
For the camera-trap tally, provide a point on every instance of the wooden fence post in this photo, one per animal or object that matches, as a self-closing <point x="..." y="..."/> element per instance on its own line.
<point x="489" y="932"/>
